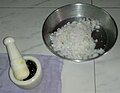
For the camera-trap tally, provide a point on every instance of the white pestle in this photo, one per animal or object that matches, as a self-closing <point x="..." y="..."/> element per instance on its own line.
<point x="18" y="64"/>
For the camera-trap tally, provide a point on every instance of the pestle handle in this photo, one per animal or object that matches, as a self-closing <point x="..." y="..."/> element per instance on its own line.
<point x="18" y="64"/>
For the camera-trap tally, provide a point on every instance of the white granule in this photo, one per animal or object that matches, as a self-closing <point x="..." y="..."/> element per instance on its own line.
<point x="74" y="40"/>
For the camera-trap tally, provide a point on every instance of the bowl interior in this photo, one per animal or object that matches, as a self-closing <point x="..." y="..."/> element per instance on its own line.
<point x="72" y="12"/>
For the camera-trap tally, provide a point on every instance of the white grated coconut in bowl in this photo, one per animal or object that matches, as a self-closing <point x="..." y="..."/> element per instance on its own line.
<point x="74" y="40"/>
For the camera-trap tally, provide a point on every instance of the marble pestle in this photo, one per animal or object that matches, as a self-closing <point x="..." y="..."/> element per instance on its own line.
<point x="17" y="62"/>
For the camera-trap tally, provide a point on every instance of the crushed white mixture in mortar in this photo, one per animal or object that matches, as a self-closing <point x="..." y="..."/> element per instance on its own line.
<point x="74" y="40"/>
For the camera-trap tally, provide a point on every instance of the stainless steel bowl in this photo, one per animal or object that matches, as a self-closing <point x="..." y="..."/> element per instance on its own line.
<point x="72" y="12"/>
